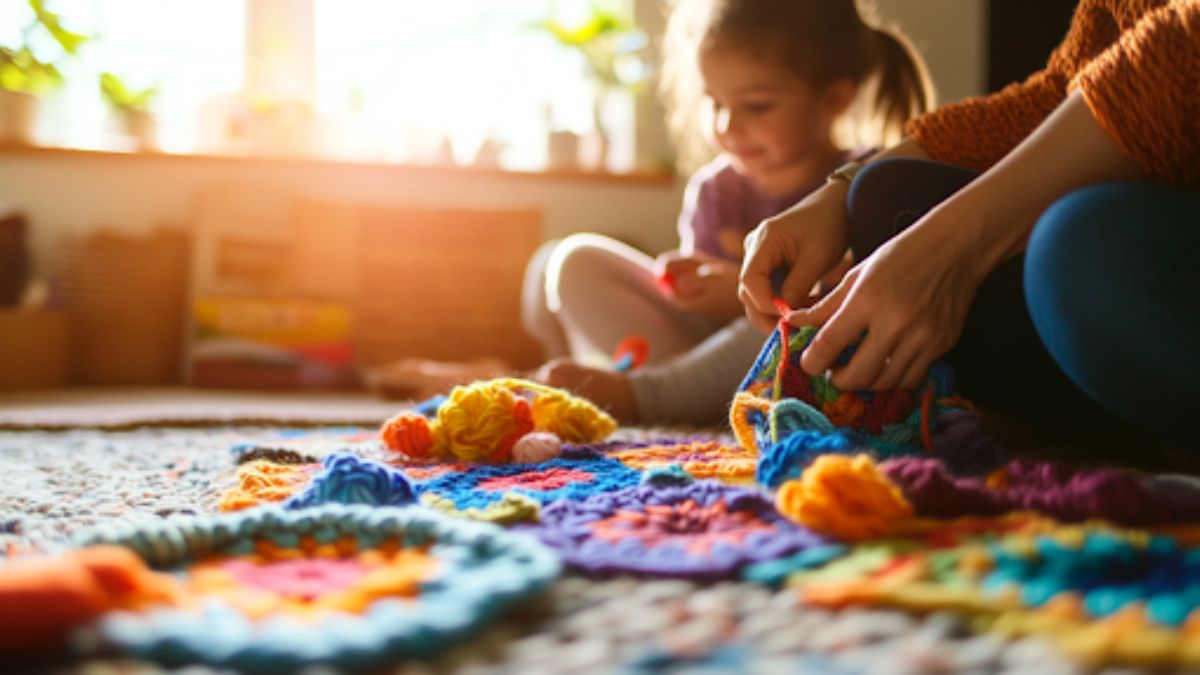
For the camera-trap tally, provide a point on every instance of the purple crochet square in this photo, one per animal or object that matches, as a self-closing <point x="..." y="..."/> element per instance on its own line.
<point x="703" y="530"/>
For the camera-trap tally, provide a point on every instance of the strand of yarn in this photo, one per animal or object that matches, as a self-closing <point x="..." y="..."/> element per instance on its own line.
<point x="571" y="418"/>
<point x="848" y="498"/>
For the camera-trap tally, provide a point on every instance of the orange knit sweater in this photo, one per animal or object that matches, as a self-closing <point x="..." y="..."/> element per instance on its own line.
<point x="1137" y="63"/>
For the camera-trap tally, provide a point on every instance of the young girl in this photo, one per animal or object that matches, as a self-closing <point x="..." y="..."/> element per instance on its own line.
<point x="779" y="76"/>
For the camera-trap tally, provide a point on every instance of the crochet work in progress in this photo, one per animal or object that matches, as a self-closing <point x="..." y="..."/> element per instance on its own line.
<point x="789" y="417"/>
<point x="348" y="586"/>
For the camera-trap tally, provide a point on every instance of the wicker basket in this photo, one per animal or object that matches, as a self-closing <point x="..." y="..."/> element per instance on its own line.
<point x="125" y="296"/>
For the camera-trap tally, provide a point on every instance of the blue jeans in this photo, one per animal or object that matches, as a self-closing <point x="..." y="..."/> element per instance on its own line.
<point x="1095" y="328"/>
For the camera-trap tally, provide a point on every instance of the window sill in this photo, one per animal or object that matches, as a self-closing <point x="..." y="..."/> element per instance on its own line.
<point x="649" y="177"/>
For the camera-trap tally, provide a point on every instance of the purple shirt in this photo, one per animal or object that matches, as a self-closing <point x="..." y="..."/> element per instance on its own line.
<point x="721" y="206"/>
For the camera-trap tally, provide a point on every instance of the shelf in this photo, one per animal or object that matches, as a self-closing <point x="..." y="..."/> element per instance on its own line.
<point x="649" y="177"/>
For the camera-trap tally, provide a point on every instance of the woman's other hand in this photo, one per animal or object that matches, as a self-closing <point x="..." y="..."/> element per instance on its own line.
<point x="809" y="240"/>
<point x="910" y="298"/>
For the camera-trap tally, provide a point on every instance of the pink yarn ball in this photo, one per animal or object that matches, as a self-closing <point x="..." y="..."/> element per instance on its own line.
<point x="536" y="446"/>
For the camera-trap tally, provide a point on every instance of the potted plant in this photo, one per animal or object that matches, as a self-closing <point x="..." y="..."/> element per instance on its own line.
<point x="132" y="107"/>
<point x="24" y="75"/>
<point x="609" y="43"/>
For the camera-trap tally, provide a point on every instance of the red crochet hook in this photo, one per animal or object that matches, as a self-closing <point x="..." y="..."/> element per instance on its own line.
<point x="630" y="353"/>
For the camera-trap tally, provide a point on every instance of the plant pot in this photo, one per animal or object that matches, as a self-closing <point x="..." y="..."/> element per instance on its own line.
<point x="562" y="150"/>
<point x="18" y="117"/>
<point x="141" y="126"/>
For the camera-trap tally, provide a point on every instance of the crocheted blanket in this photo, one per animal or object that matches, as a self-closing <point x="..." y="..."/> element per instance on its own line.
<point x="261" y="548"/>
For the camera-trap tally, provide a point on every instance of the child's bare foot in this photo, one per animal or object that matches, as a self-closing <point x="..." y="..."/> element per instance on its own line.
<point x="607" y="389"/>
<point x="422" y="378"/>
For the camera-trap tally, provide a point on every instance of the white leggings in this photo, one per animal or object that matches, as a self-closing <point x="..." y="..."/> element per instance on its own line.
<point x="584" y="294"/>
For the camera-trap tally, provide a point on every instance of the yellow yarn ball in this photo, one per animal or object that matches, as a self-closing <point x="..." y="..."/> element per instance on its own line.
<point x="483" y="421"/>
<point x="477" y="419"/>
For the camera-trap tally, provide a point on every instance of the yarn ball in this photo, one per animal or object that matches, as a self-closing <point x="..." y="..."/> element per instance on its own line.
<point x="408" y="433"/>
<point x="536" y="446"/>
<point x="848" y="498"/>
<point x="482" y="422"/>
<point x="572" y="419"/>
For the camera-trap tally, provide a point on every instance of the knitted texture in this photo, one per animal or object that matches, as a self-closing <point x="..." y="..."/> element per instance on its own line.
<point x="1121" y="496"/>
<point x="512" y="508"/>
<point x="573" y="476"/>
<point x="343" y="586"/>
<point x="1105" y="595"/>
<point x="262" y="481"/>
<point x="1136" y="62"/>
<point x="703" y="530"/>
<point x="854" y="498"/>
<point x="350" y="480"/>
<point x="700" y="458"/>
<point x="1143" y="91"/>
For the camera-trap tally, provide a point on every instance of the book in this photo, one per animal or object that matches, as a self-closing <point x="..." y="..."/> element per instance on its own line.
<point x="270" y="343"/>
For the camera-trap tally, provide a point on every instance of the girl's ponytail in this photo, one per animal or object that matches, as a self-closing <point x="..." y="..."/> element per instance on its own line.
<point x="903" y="88"/>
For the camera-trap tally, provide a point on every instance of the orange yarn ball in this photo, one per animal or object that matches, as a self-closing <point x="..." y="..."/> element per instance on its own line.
<point x="845" y="497"/>
<point x="408" y="434"/>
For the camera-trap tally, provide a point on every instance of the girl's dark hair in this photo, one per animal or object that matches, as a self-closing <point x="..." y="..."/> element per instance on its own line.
<point x="824" y="41"/>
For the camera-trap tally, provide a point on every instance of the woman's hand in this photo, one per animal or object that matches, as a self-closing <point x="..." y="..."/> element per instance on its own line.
<point x="910" y="298"/>
<point x="912" y="295"/>
<point x="810" y="239"/>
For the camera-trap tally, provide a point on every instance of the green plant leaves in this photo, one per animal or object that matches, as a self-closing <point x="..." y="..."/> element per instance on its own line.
<point x="120" y="96"/>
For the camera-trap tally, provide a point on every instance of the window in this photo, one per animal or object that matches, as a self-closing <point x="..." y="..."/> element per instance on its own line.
<point x="460" y="81"/>
<point x="190" y="51"/>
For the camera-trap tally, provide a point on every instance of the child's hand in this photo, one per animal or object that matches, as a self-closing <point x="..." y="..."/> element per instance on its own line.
<point x="672" y="266"/>
<point x="708" y="287"/>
